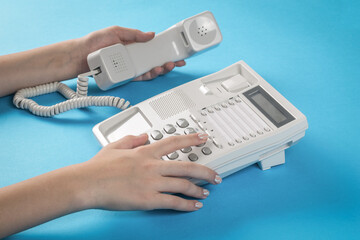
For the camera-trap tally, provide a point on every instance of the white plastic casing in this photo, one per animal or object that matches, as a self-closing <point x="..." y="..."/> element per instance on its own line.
<point x="219" y="104"/>
<point x="120" y="63"/>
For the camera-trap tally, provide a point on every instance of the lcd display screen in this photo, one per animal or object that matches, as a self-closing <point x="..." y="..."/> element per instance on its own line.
<point x="278" y="115"/>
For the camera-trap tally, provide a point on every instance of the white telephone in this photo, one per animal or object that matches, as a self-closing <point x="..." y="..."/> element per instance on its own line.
<point x="247" y="120"/>
<point x="115" y="65"/>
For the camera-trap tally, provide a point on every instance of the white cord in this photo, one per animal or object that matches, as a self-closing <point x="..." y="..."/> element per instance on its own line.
<point x="75" y="100"/>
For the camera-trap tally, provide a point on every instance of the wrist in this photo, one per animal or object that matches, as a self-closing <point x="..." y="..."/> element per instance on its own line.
<point x="82" y="50"/>
<point x="84" y="191"/>
<point x="77" y="178"/>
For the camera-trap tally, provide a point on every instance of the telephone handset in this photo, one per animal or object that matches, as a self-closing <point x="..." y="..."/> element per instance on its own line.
<point x="120" y="63"/>
<point x="115" y="65"/>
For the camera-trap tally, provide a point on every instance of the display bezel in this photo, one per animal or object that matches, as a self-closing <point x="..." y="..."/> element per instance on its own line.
<point x="259" y="90"/>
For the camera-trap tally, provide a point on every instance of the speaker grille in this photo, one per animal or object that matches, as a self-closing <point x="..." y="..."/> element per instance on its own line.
<point x="118" y="63"/>
<point x="172" y="103"/>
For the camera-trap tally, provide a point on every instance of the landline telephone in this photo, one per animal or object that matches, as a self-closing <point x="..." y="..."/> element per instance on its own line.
<point x="246" y="119"/>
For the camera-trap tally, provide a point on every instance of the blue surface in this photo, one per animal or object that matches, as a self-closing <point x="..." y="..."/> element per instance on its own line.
<point x="308" y="50"/>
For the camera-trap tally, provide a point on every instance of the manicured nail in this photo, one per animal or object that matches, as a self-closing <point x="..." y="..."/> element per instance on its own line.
<point x="198" y="205"/>
<point x="203" y="136"/>
<point x="218" y="179"/>
<point x="206" y="192"/>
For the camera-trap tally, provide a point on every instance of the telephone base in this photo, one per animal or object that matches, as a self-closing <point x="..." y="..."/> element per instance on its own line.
<point x="273" y="160"/>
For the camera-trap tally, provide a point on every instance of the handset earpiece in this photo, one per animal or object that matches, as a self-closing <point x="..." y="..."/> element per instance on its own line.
<point x="120" y="63"/>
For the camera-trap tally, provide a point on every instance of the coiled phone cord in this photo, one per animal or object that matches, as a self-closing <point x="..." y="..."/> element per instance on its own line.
<point x="75" y="100"/>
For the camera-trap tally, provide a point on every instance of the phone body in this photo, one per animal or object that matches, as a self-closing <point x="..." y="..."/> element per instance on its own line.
<point x="247" y="120"/>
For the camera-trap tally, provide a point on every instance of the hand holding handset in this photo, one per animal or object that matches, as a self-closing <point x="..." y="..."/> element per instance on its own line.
<point x="120" y="63"/>
<point x="117" y="64"/>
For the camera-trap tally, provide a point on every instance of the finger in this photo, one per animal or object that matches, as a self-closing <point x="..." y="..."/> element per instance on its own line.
<point x="168" y="67"/>
<point x="150" y="75"/>
<point x="183" y="186"/>
<point x="155" y="72"/>
<point x="180" y="63"/>
<point x="189" y="169"/>
<point x="171" y="144"/>
<point x="129" y="35"/>
<point x="129" y="142"/>
<point x="166" y="201"/>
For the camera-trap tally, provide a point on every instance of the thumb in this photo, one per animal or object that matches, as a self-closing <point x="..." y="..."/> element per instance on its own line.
<point x="129" y="142"/>
<point x="129" y="35"/>
<point x="144" y="36"/>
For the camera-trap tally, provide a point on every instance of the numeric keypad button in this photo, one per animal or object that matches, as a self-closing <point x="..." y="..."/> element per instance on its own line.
<point x="156" y="135"/>
<point x="169" y="128"/>
<point x="189" y="130"/>
<point x="173" y="155"/>
<point x="182" y="122"/>
<point x="193" y="157"/>
<point x="186" y="150"/>
<point x="206" y="151"/>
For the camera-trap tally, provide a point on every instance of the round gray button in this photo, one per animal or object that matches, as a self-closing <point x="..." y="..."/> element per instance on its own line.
<point x="169" y="128"/>
<point x="182" y="123"/>
<point x="189" y="130"/>
<point x="206" y="150"/>
<point x="193" y="157"/>
<point x="186" y="150"/>
<point x="173" y="155"/>
<point x="156" y="135"/>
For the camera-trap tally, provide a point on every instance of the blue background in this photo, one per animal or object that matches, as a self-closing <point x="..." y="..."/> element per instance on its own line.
<point x="308" y="50"/>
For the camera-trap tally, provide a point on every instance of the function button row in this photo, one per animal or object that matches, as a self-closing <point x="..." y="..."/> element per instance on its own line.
<point x="169" y="128"/>
<point x="182" y="122"/>
<point x="210" y="110"/>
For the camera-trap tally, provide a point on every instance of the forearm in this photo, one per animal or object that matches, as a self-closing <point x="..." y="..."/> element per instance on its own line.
<point x="40" y="199"/>
<point x="56" y="62"/>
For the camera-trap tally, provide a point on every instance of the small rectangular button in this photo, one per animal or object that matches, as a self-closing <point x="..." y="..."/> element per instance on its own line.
<point x="235" y="83"/>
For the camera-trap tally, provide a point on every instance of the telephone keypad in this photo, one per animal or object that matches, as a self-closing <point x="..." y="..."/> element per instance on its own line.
<point x="181" y="127"/>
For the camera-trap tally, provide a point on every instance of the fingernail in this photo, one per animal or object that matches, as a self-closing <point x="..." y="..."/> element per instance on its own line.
<point x="206" y="192"/>
<point x="202" y="136"/>
<point x="198" y="205"/>
<point x="143" y="134"/>
<point x="218" y="179"/>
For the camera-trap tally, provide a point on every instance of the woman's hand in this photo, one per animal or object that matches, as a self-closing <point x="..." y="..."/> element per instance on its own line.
<point x="115" y="34"/>
<point x="128" y="175"/>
